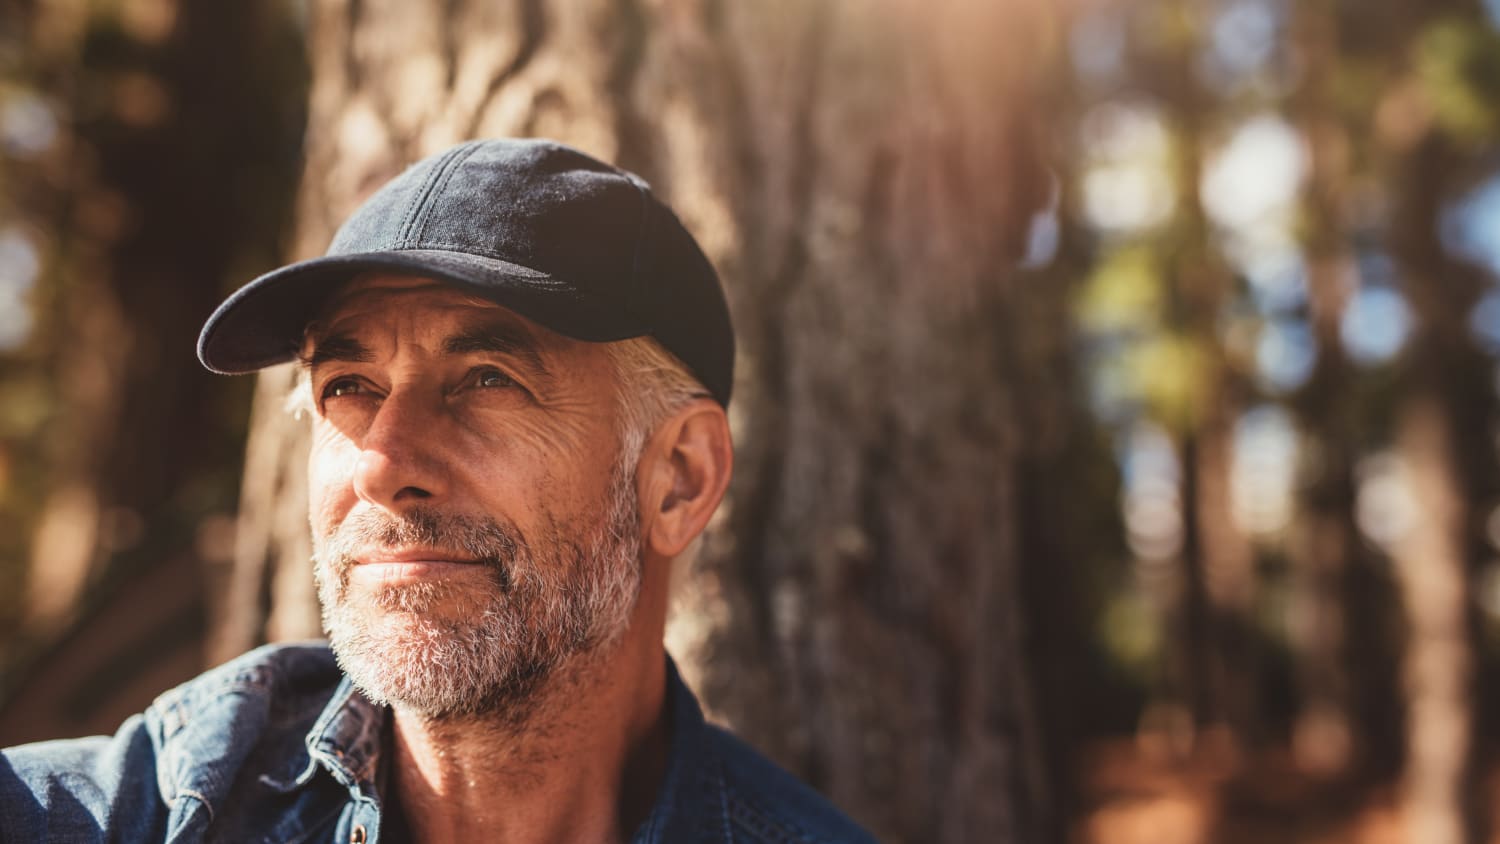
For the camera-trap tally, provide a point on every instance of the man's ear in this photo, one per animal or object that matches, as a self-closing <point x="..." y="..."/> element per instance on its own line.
<point x="683" y="474"/>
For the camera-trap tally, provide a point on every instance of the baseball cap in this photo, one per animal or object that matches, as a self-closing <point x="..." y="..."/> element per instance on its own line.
<point x="577" y="245"/>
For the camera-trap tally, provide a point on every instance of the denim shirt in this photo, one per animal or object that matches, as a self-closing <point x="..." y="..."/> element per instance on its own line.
<point x="277" y="746"/>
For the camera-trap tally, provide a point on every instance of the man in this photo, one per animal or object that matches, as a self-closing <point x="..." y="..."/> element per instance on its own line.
<point x="517" y="363"/>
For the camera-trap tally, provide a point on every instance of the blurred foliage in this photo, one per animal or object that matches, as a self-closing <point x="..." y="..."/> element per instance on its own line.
<point x="1458" y="64"/>
<point x="1206" y="295"/>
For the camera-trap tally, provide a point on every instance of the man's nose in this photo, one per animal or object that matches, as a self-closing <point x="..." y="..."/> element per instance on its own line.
<point x="398" y="465"/>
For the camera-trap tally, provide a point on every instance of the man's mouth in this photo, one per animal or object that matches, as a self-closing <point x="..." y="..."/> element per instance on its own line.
<point x="381" y="556"/>
<point x="394" y="566"/>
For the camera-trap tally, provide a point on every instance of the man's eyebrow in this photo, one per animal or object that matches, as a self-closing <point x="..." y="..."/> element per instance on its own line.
<point x="338" y="347"/>
<point x="498" y="339"/>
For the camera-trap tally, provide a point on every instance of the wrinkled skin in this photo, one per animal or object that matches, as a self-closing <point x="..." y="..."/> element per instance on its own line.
<point x="474" y="524"/>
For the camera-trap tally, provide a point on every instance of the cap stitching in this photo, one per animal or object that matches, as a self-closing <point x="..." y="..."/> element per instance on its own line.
<point x="452" y="168"/>
<point x="441" y="173"/>
<point x="411" y="210"/>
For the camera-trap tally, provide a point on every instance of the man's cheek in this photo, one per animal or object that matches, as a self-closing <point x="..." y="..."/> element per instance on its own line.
<point x="330" y="491"/>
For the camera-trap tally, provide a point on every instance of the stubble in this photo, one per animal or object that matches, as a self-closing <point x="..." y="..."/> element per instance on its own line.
<point x="464" y="647"/>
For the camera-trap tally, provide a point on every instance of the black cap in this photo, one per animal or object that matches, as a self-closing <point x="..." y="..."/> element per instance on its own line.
<point x="561" y="238"/>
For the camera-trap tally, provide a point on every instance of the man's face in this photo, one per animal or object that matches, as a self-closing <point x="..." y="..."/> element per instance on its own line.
<point x="474" y="525"/>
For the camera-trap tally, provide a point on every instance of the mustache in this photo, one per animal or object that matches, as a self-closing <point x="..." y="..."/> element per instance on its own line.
<point x="484" y="540"/>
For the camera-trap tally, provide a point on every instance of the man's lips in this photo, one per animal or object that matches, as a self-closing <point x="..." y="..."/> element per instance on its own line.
<point x="408" y="565"/>
<point x="412" y="555"/>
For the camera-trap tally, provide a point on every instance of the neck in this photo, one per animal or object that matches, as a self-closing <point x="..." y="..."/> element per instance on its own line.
<point x="582" y="765"/>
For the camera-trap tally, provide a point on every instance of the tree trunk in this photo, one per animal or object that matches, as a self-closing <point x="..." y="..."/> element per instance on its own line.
<point x="1215" y="606"/>
<point x="1444" y="421"/>
<point x="1348" y="723"/>
<point x="862" y="178"/>
<point x="1439" y="664"/>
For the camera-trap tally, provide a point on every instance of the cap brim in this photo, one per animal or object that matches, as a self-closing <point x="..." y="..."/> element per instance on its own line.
<point x="262" y="324"/>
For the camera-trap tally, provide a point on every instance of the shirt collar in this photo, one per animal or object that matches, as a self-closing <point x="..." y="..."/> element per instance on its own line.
<point x="347" y="740"/>
<point x="690" y="805"/>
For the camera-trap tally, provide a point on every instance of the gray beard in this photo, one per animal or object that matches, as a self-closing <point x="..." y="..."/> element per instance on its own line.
<point x="491" y="652"/>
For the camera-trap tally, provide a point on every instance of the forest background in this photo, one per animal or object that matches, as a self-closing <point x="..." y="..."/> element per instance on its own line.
<point x="1118" y="449"/>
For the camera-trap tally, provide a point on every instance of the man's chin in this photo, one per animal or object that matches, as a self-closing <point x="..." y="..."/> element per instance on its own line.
<point x="407" y="661"/>
<point x="439" y="601"/>
<point x="404" y="630"/>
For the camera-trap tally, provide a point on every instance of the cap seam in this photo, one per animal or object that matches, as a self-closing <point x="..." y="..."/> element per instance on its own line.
<point x="453" y="167"/>
<point x="442" y="171"/>
<point x="416" y="204"/>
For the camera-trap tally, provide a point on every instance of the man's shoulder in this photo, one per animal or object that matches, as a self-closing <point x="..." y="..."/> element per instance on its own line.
<point x="282" y="681"/>
<point x="258" y="706"/>
<point x="198" y="732"/>
<point x="274" y="685"/>
<point x="766" y="803"/>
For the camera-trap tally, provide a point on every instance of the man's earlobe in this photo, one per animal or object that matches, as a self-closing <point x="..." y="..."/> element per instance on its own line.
<point x="692" y="458"/>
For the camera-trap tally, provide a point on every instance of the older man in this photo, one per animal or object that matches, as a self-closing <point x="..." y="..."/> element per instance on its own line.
<point x="517" y="364"/>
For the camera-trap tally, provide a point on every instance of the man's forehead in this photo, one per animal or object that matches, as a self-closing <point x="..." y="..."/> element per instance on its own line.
<point x="370" y="290"/>
<point x="380" y="297"/>
<point x="370" y="307"/>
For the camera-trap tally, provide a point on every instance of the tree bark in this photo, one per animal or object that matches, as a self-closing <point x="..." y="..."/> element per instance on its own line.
<point x="862" y="177"/>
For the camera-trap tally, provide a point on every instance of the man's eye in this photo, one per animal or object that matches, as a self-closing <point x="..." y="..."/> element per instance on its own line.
<point x="342" y="387"/>
<point x="491" y="377"/>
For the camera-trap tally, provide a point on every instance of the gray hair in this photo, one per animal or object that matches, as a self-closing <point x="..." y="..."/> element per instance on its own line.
<point x="650" y="385"/>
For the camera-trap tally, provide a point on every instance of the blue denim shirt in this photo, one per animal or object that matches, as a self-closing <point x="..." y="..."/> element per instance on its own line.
<point x="276" y="746"/>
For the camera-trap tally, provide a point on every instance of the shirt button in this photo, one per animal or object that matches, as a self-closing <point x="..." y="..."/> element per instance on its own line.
<point x="357" y="835"/>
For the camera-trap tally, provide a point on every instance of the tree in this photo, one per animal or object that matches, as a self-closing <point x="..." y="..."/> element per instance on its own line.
<point x="1433" y="147"/>
<point x="1446" y="413"/>
<point x="1349" y="719"/>
<point x="862" y="178"/>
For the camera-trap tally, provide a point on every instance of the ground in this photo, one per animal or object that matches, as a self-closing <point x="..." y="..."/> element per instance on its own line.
<point x="1134" y="794"/>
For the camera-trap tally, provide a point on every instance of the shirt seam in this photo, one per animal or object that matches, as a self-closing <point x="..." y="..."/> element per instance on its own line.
<point x="724" y="808"/>
<point x="195" y="795"/>
<point x="753" y="813"/>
